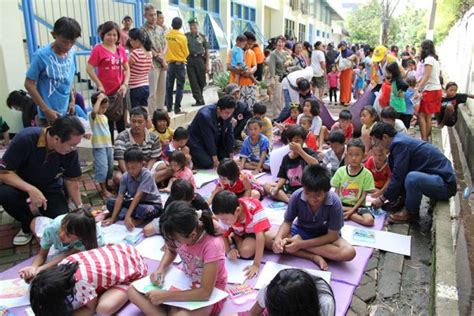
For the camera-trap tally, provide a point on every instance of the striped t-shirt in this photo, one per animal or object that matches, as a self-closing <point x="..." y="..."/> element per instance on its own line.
<point x="100" y="131"/>
<point x="255" y="218"/>
<point x="103" y="268"/>
<point x="142" y="63"/>
<point x="150" y="147"/>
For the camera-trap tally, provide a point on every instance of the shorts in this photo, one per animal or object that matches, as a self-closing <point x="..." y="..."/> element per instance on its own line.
<point x="289" y="189"/>
<point x="41" y="222"/>
<point x="362" y="210"/>
<point x="255" y="186"/>
<point x="295" y="230"/>
<point x="103" y="163"/>
<point x="430" y="102"/>
<point x="318" y="82"/>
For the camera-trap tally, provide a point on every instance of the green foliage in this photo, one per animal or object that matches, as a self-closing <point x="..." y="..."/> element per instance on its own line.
<point x="221" y="79"/>
<point x="412" y="27"/>
<point x="447" y="13"/>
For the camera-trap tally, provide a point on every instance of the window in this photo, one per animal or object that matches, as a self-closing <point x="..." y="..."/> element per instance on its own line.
<point x="244" y="19"/>
<point x="311" y="34"/>
<point x="318" y="33"/>
<point x="289" y="28"/>
<point x="324" y="34"/>
<point x="302" y="33"/>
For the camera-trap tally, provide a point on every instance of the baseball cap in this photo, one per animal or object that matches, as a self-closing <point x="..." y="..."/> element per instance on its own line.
<point x="343" y="43"/>
<point x="379" y="53"/>
<point x="193" y="20"/>
<point x="231" y="88"/>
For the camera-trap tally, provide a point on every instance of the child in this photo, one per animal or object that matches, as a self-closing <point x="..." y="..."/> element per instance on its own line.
<point x="310" y="141"/>
<point x="311" y="108"/>
<point x="449" y="105"/>
<point x="295" y="292"/>
<point x="316" y="234"/>
<point x="4" y="128"/>
<point x="352" y="182"/>
<point x="259" y="111"/>
<point x="344" y="124"/>
<point x="254" y="151"/>
<point x="389" y="116"/>
<point x="247" y="224"/>
<point x="140" y="61"/>
<point x="21" y="101"/>
<point x="101" y="142"/>
<point x="377" y="164"/>
<point x="237" y="57"/>
<point x="411" y="70"/>
<point x="368" y="118"/>
<point x="68" y="234"/>
<point x="138" y="198"/>
<point x="191" y="234"/>
<point x="292" y="165"/>
<point x="234" y="180"/>
<point x="335" y="156"/>
<point x="181" y="190"/>
<point x="161" y="126"/>
<point x="409" y="97"/>
<point x="359" y="82"/>
<point x="93" y="282"/>
<point x="179" y="165"/>
<point x="333" y="78"/>
<point x="295" y="110"/>
<point x="399" y="86"/>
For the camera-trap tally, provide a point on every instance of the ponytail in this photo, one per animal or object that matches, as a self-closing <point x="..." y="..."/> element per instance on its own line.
<point x="138" y="35"/>
<point x="82" y="224"/>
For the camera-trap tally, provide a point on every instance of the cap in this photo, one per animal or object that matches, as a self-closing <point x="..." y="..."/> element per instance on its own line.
<point x="379" y="53"/>
<point x="231" y="88"/>
<point x="193" y="20"/>
<point x="127" y="17"/>
<point x="343" y="43"/>
<point x="331" y="44"/>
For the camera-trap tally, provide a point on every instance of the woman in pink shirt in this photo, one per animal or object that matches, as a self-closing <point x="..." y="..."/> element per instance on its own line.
<point x="111" y="63"/>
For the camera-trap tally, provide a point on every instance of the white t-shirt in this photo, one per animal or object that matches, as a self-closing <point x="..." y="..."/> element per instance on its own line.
<point x="400" y="127"/>
<point x="433" y="83"/>
<point x="315" y="125"/>
<point x="317" y="57"/>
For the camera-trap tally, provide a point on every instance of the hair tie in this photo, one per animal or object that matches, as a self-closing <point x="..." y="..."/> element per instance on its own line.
<point x="199" y="213"/>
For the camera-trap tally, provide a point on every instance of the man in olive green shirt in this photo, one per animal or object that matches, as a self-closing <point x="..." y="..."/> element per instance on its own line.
<point x="198" y="61"/>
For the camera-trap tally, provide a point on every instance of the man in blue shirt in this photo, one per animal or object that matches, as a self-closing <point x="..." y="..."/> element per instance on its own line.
<point x="49" y="78"/>
<point x="418" y="168"/>
<point x="34" y="170"/>
<point x="211" y="136"/>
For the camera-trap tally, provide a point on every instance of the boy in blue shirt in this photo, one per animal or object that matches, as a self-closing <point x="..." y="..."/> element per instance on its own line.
<point x="254" y="152"/>
<point x="315" y="233"/>
<point x="49" y="78"/>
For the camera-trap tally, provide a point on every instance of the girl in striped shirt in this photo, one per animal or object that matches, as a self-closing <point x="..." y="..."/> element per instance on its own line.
<point x="141" y="61"/>
<point x="89" y="282"/>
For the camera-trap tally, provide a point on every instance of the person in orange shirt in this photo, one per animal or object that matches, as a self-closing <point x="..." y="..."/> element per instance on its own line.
<point x="248" y="90"/>
<point x="259" y="56"/>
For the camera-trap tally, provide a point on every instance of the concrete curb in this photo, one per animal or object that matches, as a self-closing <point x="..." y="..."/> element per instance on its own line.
<point x="444" y="293"/>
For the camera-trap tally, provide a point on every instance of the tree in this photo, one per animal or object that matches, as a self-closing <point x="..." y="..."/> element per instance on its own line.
<point x="388" y="7"/>
<point x="447" y="13"/>
<point x="412" y="25"/>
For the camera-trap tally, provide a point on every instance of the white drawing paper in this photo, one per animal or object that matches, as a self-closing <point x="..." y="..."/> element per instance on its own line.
<point x="151" y="248"/>
<point x="235" y="270"/>
<point x="14" y="293"/>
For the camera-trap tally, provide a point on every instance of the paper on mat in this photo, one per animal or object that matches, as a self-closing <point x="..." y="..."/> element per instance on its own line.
<point x="14" y="293"/>
<point x="377" y="239"/>
<point x="235" y="270"/>
<point x="151" y="248"/>
<point x="176" y="279"/>
<point x="29" y="312"/>
<point x="275" y="216"/>
<point x="271" y="269"/>
<point x="116" y="233"/>
<point x="203" y="177"/>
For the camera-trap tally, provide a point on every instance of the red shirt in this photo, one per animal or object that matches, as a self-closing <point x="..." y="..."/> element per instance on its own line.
<point x="311" y="141"/>
<point x="347" y="132"/>
<point x="290" y="121"/>
<point x="110" y="69"/>
<point x="255" y="218"/>
<point x="140" y="69"/>
<point x="380" y="175"/>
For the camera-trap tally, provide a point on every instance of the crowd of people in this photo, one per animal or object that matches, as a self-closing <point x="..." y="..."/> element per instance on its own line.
<point x="327" y="170"/>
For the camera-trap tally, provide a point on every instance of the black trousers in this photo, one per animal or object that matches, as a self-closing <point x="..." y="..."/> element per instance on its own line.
<point x="259" y="73"/>
<point x="332" y="92"/>
<point x="196" y="69"/>
<point x="14" y="203"/>
<point x="202" y="159"/>
<point x="120" y="124"/>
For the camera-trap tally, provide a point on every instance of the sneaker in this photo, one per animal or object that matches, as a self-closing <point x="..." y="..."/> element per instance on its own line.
<point x="22" y="238"/>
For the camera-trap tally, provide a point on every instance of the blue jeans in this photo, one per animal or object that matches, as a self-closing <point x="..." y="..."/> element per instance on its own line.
<point x="418" y="184"/>
<point x="103" y="163"/>
<point x="176" y="71"/>
<point x="285" y="112"/>
<point x="142" y="211"/>
<point x="139" y="96"/>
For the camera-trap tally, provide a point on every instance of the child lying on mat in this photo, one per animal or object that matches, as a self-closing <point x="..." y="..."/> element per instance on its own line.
<point x="88" y="282"/>
<point x="247" y="226"/>
<point x="315" y="233"/>
<point x="68" y="233"/>
<point x="295" y="292"/>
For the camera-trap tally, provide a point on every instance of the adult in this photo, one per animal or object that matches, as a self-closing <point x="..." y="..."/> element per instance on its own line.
<point x="176" y="55"/>
<point x="113" y="73"/>
<point x="331" y="55"/>
<point x="259" y="56"/>
<point x="126" y="26"/>
<point x="380" y="59"/>
<point x="345" y="78"/>
<point x="299" y="58"/>
<point x="406" y="56"/>
<point x="211" y="137"/>
<point x="51" y="73"/>
<point x="368" y="64"/>
<point x="429" y="87"/>
<point x="198" y="61"/>
<point x="418" y="168"/>
<point x="318" y="62"/>
<point x="155" y="29"/>
<point x="278" y="62"/>
<point x="35" y="169"/>
<point x="292" y="88"/>
<point x="137" y="136"/>
<point x="307" y="50"/>
<point x="242" y="112"/>
<point x="248" y="90"/>
<point x="21" y="101"/>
